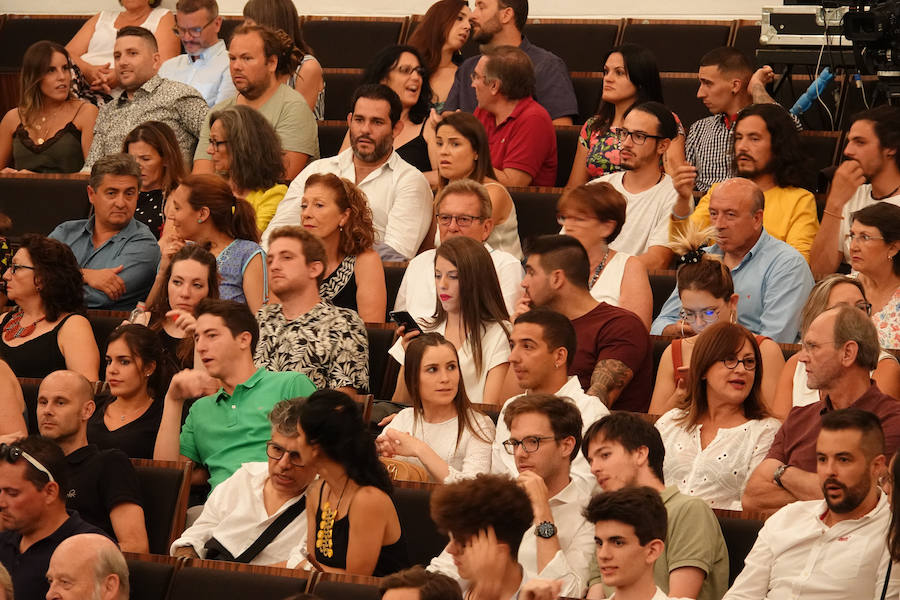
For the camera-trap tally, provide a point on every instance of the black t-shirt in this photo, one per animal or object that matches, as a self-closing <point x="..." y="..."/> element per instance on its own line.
<point x="100" y="480"/>
<point x="29" y="569"/>
<point x="136" y="439"/>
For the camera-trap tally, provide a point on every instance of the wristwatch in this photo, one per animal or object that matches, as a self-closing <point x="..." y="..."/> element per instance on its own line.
<point x="779" y="472"/>
<point x="545" y="529"/>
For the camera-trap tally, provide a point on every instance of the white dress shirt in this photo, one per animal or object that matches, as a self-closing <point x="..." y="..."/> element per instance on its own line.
<point x="571" y="564"/>
<point x="797" y="556"/>
<point x="592" y="409"/>
<point x="235" y="515"/>
<point x="417" y="294"/>
<point x="398" y="193"/>
<point x="207" y="73"/>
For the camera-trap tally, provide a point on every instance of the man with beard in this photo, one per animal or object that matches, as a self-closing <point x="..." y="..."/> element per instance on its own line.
<point x="831" y="549"/>
<point x="398" y="193"/>
<point x="253" y="57"/>
<point x="839" y="350"/>
<point x="766" y="150"/>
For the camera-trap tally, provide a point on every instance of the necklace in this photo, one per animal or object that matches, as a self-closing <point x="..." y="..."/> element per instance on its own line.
<point x="326" y="525"/>
<point x="131" y="412"/>
<point x="41" y="139"/>
<point x="13" y="329"/>
<point x="884" y="197"/>
<point x="596" y="275"/>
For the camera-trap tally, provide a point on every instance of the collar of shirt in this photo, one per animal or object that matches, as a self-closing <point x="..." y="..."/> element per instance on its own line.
<point x="763" y="240"/>
<point x="863" y="402"/>
<point x="208" y="53"/>
<point x="148" y="87"/>
<point x="521" y="105"/>
<point x="246" y="385"/>
<point x="122" y="234"/>
<point x="668" y="492"/>
<point x="818" y="510"/>
<point x="83" y="454"/>
<point x="345" y="164"/>
<point x="578" y="491"/>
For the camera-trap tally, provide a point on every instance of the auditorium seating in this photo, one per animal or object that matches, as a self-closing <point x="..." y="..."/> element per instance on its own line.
<point x="331" y="136"/>
<point x="588" y="90"/>
<point x="165" y="486"/>
<point x="30" y="388"/>
<point x="566" y="145"/>
<point x="746" y="37"/>
<point x="680" y="93"/>
<point x="412" y="501"/>
<point x="740" y="531"/>
<point x="233" y="581"/>
<point x="691" y="38"/>
<point x="150" y="575"/>
<point x="340" y="586"/>
<point x="38" y="203"/>
<point x="662" y="283"/>
<point x="536" y="211"/>
<point x="381" y="338"/>
<point x="351" y="42"/>
<point x="581" y="43"/>
<point x="339" y="87"/>
<point x="393" y="277"/>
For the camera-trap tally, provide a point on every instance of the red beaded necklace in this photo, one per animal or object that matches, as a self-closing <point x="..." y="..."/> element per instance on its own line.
<point x="13" y="330"/>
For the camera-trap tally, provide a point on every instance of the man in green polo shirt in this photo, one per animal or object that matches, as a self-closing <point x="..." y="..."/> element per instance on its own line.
<point x="229" y="425"/>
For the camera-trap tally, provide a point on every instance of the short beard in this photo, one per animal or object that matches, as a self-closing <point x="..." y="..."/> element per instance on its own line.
<point x="767" y="169"/>
<point x="382" y="149"/>
<point x="853" y="497"/>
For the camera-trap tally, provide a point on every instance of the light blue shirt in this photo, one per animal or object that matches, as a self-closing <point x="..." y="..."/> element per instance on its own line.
<point x="134" y="247"/>
<point x="773" y="281"/>
<point x="207" y="73"/>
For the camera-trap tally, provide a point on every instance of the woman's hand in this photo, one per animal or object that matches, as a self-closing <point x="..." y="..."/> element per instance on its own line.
<point x="398" y="443"/>
<point x="183" y="320"/>
<point x="406" y="337"/>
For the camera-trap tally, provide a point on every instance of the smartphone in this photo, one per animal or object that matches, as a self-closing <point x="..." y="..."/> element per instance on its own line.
<point x="401" y="317"/>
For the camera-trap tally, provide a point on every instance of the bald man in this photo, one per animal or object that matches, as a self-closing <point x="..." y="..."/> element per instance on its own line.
<point x="772" y="279"/>
<point x="87" y="566"/>
<point x="104" y="488"/>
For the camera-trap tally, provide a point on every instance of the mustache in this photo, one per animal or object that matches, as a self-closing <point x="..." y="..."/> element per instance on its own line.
<point x="833" y="481"/>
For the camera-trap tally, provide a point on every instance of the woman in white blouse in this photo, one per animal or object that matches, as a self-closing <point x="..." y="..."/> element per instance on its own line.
<point x="471" y="314"/>
<point x="441" y="431"/>
<point x="722" y="432"/>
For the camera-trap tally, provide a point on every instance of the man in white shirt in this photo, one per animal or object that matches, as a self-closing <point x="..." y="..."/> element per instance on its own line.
<point x="204" y="64"/>
<point x="870" y="174"/>
<point x="543" y="345"/>
<point x="645" y="136"/>
<point x="462" y="208"/>
<point x="398" y="193"/>
<point x="827" y="549"/>
<point x="243" y="506"/>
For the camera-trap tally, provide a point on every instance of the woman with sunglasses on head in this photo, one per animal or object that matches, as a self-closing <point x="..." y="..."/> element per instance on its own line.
<point x="441" y="431"/>
<point x="51" y="130"/>
<point x="439" y="37"/>
<point x="832" y="291"/>
<point x="707" y="296"/>
<point x="46" y="331"/>
<point x="721" y="431"/>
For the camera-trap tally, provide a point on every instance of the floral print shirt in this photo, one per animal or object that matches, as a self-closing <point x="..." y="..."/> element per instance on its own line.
<point x="887" y="322"/>
<point x="603" y="148"/>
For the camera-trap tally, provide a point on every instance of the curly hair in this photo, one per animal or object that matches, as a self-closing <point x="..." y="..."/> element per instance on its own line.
<point x="161" y="138"/>
<point x="791" y="165"/>
<point x="57" y="275"/>
<point x="358" y="233"/>
<point x="253" y="145"/>
<point x="384" y="61"/>
<point x="641" y="507"/>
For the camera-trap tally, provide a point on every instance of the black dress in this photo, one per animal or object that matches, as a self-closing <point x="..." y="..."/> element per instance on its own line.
<point x="39" y="356"/>
<point x="136" y="439"/>
<point x="339" y="288"/>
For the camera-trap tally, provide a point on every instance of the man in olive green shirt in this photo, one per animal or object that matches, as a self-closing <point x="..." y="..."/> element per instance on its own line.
<point x="626" y="451"/>
<point x="229" y="424"/>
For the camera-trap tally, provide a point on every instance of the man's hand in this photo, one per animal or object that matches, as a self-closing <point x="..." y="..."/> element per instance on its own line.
<point x="847" y="178"/>
<point x="484" y="560"/>
<point x="537" y="491"/>
<point x="106" y="281"/>
<point x="186" y="551"/>
<point x="191" y="383"/>
<point x="541" y="589"/>
<point x="683" y="181"/>
<point x="757" y="86"/>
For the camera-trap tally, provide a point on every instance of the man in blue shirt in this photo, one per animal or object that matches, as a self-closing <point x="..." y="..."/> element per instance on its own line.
<point x="118" y="255"/>
<point x="204" y="65"/>
<point x="772" y="279"/>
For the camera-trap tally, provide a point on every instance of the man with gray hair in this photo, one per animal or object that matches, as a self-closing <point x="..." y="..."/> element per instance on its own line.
<point x="839" y="351"/>
<point x="118" y="255"/>
<point x="772" y="279"/>
<point x="229" y="528"/>
<point x="87" y="566"/>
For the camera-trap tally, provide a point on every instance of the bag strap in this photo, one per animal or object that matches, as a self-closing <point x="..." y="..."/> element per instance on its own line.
<point x="272" y="531"/>
<point x="887" y="579"/>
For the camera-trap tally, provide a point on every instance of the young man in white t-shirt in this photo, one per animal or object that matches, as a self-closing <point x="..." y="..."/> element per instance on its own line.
<point x="870" y="174"/>
<point x="647" y="131"/>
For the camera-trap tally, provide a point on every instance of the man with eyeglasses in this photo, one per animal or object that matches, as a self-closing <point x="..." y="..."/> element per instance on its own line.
<point x="839" y="350"/>
<point x="230" y="526"/>
<point x="204" y="65"/>
<point x="463" y="208"/>
<point x="544" y="438"/>
<point x="33" y="482"/>
<point x="646" y="133"/>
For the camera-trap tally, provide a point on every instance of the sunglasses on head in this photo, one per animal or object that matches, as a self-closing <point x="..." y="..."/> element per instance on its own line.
<point x="12" y="454"/>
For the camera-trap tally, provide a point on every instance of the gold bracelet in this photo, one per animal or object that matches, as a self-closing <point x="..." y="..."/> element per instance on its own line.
<point x="837" y="216"/>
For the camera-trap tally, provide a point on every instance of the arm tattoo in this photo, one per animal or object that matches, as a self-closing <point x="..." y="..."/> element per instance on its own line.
<point x="609" y="378"/>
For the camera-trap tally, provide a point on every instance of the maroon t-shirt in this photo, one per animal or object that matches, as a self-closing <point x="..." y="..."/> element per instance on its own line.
<point x="795" y="442"/>
<point x="611" y="332"/>
<point x="526" y="141"/>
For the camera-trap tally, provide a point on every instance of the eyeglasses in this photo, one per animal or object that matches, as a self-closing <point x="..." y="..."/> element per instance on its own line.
<point x="475" y="76"/>
<point x="864" y="306"/>
<point x="192" y="31"/>
<point x="808" y="347"/>
<point x="276" y="452"/>
<point x="639" y="137"/>
<point x="862" y="238"/>
<point x="529" y="444"/>
<point x="15" y="268"/>
<point x="13" y="453"/>
<point x="407" y="70"/>
<point x="561" y="220"/>
<point x="732" y="363"/>
<point x="462" y="220"/>
<point x="707" y="315"/>
<point x="218" y="143"/>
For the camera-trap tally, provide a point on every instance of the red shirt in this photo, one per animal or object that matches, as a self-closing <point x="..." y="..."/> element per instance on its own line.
<point x="525" y="140"/>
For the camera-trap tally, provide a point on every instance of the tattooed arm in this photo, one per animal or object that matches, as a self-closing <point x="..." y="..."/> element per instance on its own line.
<point x="609" y="378"/>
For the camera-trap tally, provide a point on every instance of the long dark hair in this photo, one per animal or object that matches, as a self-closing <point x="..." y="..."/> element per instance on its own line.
<point x="144" y="344"/>
<point x="791" y="164"/>
<point x="332" y="421"/>
<point x="161" y="138"/>
<point x="34" y="66"/>
<point x="56" y="274"/>
<point x="278" y="14"/>
<point x="640" y="65"/>
<point x="431" y="34"/>
<point x="470" y="128"/>
<point x="415" y="352"/>
<point x="480" y="299"/>
<point x="381" y="65"/>
<point x="232" y="216"/>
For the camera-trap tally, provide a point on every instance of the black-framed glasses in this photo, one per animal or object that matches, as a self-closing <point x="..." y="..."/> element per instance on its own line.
<point x="407" y="70"/>
<point x="218" y="143"/>
<point x="276" y="452"/>
<point x="864" y="306"/>
<point x="529" y="443"/>
<point x="12" y="454"/>
<point x="192" y="31"/>
<point x="15" y="268"/>
<point x="461" y="220"/>
<point x="732" y="363"/>
<point x="639" y="137"/>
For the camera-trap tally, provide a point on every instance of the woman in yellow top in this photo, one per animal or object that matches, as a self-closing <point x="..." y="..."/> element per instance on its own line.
<point x="766" y="149"/>
<point x="245" y="150"/>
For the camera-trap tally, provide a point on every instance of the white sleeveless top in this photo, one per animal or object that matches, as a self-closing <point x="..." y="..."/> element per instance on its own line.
<point x="505" y="236"/>
<point x="609" y="285"/>
<point x="102" y="44"/>
<point x="801" y="395"/>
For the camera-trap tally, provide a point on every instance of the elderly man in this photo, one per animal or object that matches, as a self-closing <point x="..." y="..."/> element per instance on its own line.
<point x="145" y="97"/>
<point x="839" y="350"/>
<point x="462" y="208"/>
<point x="87" y="566"/>
<point x="772" y="279"/>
